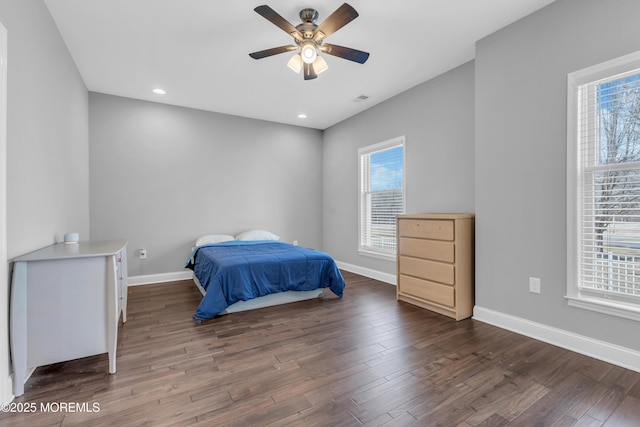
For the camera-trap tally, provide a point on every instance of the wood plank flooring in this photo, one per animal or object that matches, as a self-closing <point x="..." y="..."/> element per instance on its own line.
<point x="364" y="360"/>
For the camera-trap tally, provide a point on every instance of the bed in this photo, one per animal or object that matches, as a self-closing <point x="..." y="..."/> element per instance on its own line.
<point x="240" y="274"/>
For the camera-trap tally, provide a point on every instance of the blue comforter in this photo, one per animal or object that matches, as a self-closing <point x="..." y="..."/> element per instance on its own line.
<point x="242" y="270"/>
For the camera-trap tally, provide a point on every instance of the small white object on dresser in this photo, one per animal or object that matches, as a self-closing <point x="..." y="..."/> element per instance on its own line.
<point x="66" y="301"/>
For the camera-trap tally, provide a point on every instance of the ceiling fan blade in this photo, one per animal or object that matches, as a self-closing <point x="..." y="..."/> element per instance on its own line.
<point x="275" y="18"/>
<point x="309" y="72"/>
<point x="273" y="51"/>
<point x="338" y="19"/>
<point x="345" y="52"/>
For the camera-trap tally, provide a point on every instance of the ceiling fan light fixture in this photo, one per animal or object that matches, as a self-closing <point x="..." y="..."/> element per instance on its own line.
<point x="309" y="37"/>
<point x="295" y="63"/>
<point x="320" y="65"/>
<point x="308" y="52"/>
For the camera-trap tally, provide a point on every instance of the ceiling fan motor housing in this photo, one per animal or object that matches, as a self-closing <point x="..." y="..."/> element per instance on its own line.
<point x="308" y="27"/>
<point x="309" y="15"/>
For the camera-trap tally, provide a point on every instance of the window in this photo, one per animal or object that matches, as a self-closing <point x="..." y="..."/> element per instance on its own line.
<point x="604" y="188"/>
<point x="381" y="196"/>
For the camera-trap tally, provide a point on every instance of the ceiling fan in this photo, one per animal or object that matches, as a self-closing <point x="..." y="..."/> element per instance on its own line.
<point x="309" y="37"/>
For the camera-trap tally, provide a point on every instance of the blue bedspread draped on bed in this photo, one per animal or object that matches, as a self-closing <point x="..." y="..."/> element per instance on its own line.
<point x="242" y="270"/>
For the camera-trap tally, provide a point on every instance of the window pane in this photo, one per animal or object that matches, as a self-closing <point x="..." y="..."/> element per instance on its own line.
<point x="611" y="233"/>
<point x="619" y="120"/>
<point x="382" y="197"/>
<point x="386" y="169"/>
<point x="610" y="201"/>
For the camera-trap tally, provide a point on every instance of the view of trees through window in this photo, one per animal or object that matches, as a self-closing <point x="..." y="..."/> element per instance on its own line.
<point x="614" y="175"/>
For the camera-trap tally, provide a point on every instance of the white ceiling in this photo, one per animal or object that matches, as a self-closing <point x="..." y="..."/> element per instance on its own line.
<point x="197" y="50"/>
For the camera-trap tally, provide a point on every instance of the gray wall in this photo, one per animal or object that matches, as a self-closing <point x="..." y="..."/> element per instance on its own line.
<point x="47" y="140"/>
<point x="437" y="119"/>
<point x="161" y="176"/>
<point x="47" y="143"/>
<point x="521" y="74"/>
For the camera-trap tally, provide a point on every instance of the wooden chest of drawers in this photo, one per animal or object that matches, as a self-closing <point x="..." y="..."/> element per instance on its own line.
<point x="435" y="262"/>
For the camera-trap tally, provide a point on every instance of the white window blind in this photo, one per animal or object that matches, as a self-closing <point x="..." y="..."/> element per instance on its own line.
<point x="381" y="195"/>
<point x="608" y="133"/>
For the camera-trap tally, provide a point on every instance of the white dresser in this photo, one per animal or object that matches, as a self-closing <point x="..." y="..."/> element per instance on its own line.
<point x="66" y="301"/>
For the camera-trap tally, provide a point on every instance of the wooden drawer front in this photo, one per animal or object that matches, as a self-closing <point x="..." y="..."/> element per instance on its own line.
<point x="423" y="289"/>
<point x="430" y="270"/>
<point x="431" y="249"/>
<point x="427" y="228"/>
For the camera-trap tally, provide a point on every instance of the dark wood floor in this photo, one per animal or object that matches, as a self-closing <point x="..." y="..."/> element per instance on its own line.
<point x="363" y="360"/>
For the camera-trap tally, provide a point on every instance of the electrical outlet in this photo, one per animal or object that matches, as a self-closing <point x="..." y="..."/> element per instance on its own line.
<point x="143" y="253"/>
<point x="295" y="243"/>
<point x="534" y="285"/>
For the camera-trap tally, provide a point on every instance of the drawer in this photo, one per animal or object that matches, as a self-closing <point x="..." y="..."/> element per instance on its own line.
<point x="438" y="229"/>
<point x="426" y="290"/>
<point x="431" y="249"/>
<point x="426" y="269"/>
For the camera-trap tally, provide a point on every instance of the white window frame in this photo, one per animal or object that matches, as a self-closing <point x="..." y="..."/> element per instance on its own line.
<point x="576" y="296"/>
<point x="381" y="146"/>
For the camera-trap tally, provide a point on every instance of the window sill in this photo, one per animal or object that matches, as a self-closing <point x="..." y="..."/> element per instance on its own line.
<point x="380" y="255"/>
<point x="612" y="308"/>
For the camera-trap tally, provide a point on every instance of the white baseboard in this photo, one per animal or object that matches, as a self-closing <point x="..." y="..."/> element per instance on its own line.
<point x="367" y="272"/>
<point x="151" y="279"/>
<point x="611" y="353"/>
<point x="6" y="393"/>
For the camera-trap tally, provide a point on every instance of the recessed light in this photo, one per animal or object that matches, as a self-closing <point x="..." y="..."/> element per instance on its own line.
<point x="302" y="116"/>
<point x="159" y="91"/>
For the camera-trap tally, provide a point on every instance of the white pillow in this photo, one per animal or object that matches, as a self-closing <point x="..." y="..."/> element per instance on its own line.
<point x="213" y="238"/>
<point x="257" y="235"/>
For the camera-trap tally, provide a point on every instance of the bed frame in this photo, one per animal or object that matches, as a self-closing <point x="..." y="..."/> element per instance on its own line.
<point x="267" y="300"/>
